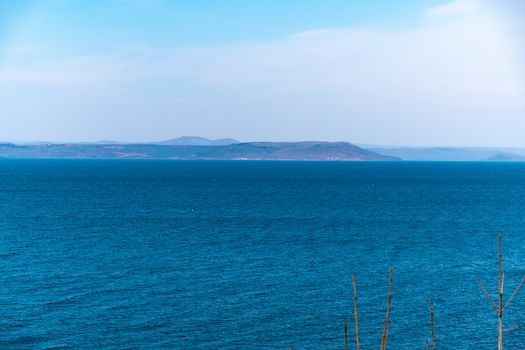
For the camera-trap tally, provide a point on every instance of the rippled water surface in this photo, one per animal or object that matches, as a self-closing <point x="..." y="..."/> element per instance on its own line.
<point x="254" y="255"/>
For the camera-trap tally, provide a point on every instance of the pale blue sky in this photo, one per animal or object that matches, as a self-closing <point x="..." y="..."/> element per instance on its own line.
<point x="412" y="72"/>
<point x="97" y="25"/>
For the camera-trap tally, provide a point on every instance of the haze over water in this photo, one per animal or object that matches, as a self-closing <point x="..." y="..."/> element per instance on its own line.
<point x="254" y="255"/>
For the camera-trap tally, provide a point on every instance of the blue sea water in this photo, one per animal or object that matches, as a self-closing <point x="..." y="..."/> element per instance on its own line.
<point x="102" y="254"/>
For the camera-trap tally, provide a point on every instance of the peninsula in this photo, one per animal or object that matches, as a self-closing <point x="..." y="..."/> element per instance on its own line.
<point x="308" y="150"/>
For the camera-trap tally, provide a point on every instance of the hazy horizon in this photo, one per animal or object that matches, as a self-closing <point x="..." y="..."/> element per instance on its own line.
<point x="363" y="145"/>
<point x="415" y="72"/>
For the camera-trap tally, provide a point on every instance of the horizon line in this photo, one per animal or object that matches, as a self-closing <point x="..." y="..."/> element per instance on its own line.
<point x="151" y="142"/>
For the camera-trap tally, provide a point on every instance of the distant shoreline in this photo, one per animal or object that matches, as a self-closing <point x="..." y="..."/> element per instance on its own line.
<point x="301" y="151"/>
<point x="195" y="148"/>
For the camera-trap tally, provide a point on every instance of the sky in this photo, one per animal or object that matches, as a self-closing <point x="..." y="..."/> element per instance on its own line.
<point x="401" y="73"/>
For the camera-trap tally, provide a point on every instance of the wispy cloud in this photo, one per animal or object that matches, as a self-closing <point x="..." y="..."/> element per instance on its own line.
<point x="432" y="83"/>
<point x="20" y="50"/>
<point x="455" y="8"/>
<point x="91" y="69"/>
<point x="443" y="58"/>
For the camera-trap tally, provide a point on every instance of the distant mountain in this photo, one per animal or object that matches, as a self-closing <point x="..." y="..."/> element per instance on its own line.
<point x="194" y="147"/>
<point x="180" y="141"/>
<point x="507" y="157"/>
<point x="239" y="151"/>
<point x="452" y="153"/>
<point x="308" y="150"/>
<point x="196" y="141"/>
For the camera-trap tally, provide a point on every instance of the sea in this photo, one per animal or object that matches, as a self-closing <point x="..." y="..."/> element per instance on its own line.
<point x="145" y="254"/>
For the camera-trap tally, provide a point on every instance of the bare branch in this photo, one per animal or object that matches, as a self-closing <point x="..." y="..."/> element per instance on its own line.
<point x="346" y="335"/>
<point x="514" y="293"/>
<point x="501" y="278"/>
<point x="500" y="263"/>
<point x="502" y="283"/>
<point x="480" y="282"/>
<point x="384" y="337"/>
<point x="510" y="329"/>
<point x="356" y="315"/>
<point x="432" y="334"/>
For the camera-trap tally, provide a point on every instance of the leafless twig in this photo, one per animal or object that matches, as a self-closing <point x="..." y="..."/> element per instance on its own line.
<point x="356" y="315"/>
<point x="384" y="336"/>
